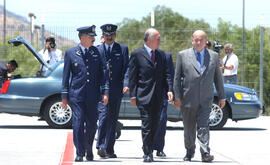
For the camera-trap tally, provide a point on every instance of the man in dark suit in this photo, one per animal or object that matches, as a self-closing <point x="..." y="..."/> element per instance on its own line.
<point x="82" y="90"/>
<point x="196" y="70"/>
<point x="148" y="76"/>
<point x="116" y="57"/>
<point x="159" y="140"/>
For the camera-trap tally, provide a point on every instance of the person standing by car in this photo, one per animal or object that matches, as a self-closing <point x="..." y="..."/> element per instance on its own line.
<point x="6" y="68"/>
<point x="50" y="53"/>
<point x="117" y="60"/>
<point x="229" y="65"/>
<point x="148" y="76"/>
<point x="159" y="140"/>
<point x="196" y="70"/>
<point x="83" y="91"/>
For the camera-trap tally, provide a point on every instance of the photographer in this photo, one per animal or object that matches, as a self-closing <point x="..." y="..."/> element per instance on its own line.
<point x="50" y="54"/>
<point x="229" y="65"/>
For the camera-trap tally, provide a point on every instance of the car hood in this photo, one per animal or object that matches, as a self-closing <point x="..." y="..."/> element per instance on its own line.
<point x="19" y="40"/>
<point x="240" y="88"/>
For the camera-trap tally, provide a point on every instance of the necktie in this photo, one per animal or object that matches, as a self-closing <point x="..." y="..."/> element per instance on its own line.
<point x="153" y="56"/>
<point x="109" y="50"/>
<point x="198" y="57"/>
<point x="85" y="51"/>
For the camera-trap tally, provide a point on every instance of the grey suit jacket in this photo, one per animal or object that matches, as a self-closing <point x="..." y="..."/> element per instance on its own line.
<point x="193" y="88"/>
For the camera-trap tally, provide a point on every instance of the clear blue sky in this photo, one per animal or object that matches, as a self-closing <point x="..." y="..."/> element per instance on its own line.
<point x="77" y="13"/>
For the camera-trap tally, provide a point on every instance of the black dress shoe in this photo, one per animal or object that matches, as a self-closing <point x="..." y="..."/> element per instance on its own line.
<point x="161" y="154"/>
<point x="147" y="158"/>
<point x="188" y="157"/>
<point x="89" y="156"/>
<point x="207" y="157"/>
<point x="101" y="153"/>
<point x="78" y="159"/>
<point x="151" y="157"/>
<point x="111" y="155"/>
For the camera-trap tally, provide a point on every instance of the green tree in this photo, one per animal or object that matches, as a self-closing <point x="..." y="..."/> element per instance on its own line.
<point x="176" y="32"/>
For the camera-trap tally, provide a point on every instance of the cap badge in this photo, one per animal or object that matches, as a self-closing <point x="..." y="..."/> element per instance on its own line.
<point x="109" y="28"/>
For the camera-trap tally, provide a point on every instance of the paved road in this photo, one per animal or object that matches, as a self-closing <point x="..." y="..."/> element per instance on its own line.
<point x="26" y="141"/>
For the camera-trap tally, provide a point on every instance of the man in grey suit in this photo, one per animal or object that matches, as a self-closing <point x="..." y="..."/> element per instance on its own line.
<point x="197" y="69"/>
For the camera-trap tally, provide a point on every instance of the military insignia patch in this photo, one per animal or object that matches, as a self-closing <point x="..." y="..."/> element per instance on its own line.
<point x="92" y="52"/>
<point x="78" y="53"/>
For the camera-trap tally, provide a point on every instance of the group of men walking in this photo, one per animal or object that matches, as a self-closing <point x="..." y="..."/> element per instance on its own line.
<point x="94" y="83"/>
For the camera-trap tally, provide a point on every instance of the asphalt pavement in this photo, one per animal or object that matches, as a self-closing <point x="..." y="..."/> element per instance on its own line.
<point x="26" y="141"/>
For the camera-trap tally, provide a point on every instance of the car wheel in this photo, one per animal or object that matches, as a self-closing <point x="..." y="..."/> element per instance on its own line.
<point x="218" y="117"/>
<point x="56" y="116"/>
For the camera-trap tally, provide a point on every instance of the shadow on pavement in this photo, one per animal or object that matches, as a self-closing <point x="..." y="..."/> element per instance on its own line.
<point x="25" y="127"/>
<point x="240" y="129"/>
<point x="139" y="128"/>
<point x="223" y="129"/>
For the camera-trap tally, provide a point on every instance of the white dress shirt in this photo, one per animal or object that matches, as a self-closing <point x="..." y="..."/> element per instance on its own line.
<point x="232" y="60"/>
<point x="50" y="57"/>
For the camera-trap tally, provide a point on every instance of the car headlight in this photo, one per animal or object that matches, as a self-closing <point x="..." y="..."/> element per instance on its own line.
<point x="245" y="96"/>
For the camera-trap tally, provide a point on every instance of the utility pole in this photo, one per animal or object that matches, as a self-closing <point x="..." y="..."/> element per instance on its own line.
<point x="261" y="62"/>
<point x="243" y="46"/>
<point x="152" y="18"/>
<point x="42" y="36"/>
<point x="32" y="28"/>
<point x="4" y="23"/>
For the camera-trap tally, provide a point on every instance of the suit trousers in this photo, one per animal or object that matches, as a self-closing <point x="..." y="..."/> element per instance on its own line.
<point x="196" y="120"/>
<point x="84" y="123"/>
<point x="108" y="116"/>
<point x="159" y="141"/>
<point x="150" y="115"/>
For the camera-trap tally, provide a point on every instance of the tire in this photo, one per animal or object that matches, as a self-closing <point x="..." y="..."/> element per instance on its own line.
<point x="55" y="116"/>
<point x="218" y="117"/>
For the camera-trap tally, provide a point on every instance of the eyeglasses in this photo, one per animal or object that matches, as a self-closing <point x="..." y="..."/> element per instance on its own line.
<point x="198" y="39"/>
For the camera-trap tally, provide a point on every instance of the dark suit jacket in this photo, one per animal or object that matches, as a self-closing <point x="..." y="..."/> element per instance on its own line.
<point x="87" y="74"/>
<point x="193" y="88"/>
<point x="145" y="79"/>
<point x="170" y="65"/>
<point x="117" y="66"/>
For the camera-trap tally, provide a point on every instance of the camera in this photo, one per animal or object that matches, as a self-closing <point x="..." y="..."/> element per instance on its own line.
<point x="217" y="46"/>
<point x="52" y="41"/>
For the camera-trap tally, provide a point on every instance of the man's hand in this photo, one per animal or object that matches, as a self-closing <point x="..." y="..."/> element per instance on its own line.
<point x="177" y="103"/>
<point x="133" y="101"/>
<point x="64" y="103"/>
<point x="125" y="90"/>
<point x="222" y="103"/>
<point x="170" y="96"/>
<point x="105" y="99"/>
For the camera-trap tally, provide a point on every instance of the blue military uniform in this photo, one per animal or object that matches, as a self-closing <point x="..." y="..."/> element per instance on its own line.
<point x="159" y="140"/>
<point x="83" y="75"/>
<point x="117" y="65"/>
